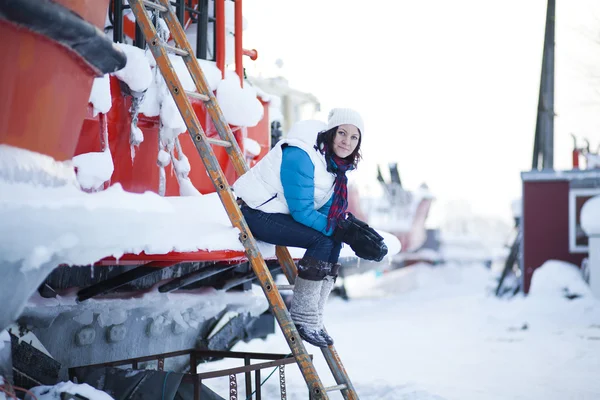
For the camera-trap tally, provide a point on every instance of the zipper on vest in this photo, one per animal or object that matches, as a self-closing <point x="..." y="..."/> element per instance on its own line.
<point x="267" y="201"/>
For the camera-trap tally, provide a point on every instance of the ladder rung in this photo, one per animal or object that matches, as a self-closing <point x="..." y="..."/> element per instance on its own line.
<point x="218" y="142"/>
<point x="198" y="96"/>
<point x="175" y="50"/>
<point x="285" y="287"/>
<point x="336" y="387"/>
<point x="154" y="5"/>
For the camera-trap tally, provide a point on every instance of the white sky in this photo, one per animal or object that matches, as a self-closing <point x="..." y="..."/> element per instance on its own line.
<point x="448" y="89"/>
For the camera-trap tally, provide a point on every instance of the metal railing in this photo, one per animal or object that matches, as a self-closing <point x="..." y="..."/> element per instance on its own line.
<point x="198" y="356"/>
<point x="198" y="15"/>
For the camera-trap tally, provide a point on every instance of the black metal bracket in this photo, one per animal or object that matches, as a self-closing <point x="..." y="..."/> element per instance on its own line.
<point x="111" y="284"/>
<point x="195" y="276"/>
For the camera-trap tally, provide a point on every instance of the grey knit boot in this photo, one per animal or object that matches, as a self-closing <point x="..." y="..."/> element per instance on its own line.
<point x="305" y="311"/>
<point x="328" y="284"/>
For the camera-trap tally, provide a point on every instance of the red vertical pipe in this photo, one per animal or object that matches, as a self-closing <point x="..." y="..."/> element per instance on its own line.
<point x="220" y="35"/>
<point x="239" y="66"/>
<point x="575" y="159"/>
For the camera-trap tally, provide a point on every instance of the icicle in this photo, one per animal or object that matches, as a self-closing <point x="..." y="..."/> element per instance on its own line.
<point x="162" y="181"/>
<point x="136" y="136"/>
<point x="182" y="169"/>
<point x="162" y="29"/>
<point x="163" y="160"/>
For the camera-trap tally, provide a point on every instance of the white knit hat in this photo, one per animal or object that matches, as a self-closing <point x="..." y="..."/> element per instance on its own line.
<point x="340" y="116"/>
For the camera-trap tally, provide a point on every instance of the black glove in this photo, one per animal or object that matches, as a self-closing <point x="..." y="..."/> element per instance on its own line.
<point x="363" y="239"/>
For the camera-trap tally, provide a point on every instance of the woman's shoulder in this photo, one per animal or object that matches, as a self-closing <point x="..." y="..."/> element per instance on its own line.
<point x="297" y="154"/>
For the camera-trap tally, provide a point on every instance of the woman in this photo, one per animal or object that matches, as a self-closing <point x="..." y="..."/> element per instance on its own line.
<point x="296" y="196"/>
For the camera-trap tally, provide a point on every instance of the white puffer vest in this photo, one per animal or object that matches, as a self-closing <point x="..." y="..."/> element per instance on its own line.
<point x="261" y="187"/>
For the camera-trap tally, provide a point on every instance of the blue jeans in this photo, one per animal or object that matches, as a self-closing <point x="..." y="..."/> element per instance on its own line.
<point x="283" y="230"/>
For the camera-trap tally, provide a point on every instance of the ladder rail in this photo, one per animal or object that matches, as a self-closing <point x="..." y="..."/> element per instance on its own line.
<point x="213" y="168"/>
<point x="213" y="108"/>
<point x="329" y="353"/>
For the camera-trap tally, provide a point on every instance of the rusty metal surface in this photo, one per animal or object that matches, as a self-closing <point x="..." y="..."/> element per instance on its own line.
<point x="339" y="372"/>
<point x="287" y="263"/>
<point x="233" y="390"/>
<point x="275" y="360"/>
<point x="282" y="388"/>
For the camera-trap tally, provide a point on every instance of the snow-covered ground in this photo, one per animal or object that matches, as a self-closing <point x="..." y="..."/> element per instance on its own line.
<point x="437" y="333"/>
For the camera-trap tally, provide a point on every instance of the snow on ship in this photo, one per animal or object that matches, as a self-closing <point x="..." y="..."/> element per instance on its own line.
<point x="113" y="242"/>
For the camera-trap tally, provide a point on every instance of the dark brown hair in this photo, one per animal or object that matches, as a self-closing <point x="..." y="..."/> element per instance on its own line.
<point x="327" y="137"/>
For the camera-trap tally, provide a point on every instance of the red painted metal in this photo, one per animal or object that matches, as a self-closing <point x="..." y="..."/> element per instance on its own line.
<point x="239" y="64"/>
<point x="253" y="54"/>
<point x="45" y="87"/>
<point x="142" y="174"/>
<point x="220" y="35"/>
<point x="545" y="226"/>
<point x="93" y="11"/>
<point x="575" y="158"/>
<point x="173" y="257"/>
<point x="45" y="92"/>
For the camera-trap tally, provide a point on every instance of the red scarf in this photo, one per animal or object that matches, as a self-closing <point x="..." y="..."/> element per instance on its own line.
<point x="338" y="166"/>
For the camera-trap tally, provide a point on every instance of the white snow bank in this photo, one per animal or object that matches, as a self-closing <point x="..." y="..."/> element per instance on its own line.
<point x="136" y="74"/>
<point x="454" y="341"/>
<point x="252" y="147"/>
<point x="557" y="279"/>
<point x="590" y="216"/>
<point x="274" y="101"/>
<point x="93" y="169"/>
<point x="54" y="392"/>
<point x="100" y="95"/>
<point x="79" y="228"/>
<point x="66" y="225"/>
<point x="69" y="226"/>
<point x="240" y="106"/>
<point x="187" y="188"/>
<point x="20" y="165"/>
<point x="209" y="69"/>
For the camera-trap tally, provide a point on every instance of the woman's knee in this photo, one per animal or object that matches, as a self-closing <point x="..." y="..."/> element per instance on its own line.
<point x="324" y="242"/>
<point x="321" y="247"/>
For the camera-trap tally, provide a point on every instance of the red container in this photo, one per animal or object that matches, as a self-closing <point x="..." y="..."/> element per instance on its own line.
<point x="45" y="88"/>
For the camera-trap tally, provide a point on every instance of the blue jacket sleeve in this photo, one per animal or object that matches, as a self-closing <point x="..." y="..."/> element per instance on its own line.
<point x="298" y="181"/>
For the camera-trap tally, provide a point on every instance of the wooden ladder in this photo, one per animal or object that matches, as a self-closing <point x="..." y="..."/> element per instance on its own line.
<point x="160" y="50"/>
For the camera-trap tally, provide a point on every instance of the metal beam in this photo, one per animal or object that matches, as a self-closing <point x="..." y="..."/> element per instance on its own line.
<point x="544" y="137"/>
<point x="195" y="276"/>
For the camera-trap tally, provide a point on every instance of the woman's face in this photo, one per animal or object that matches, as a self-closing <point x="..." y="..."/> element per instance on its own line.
<point x="345" y="140"/>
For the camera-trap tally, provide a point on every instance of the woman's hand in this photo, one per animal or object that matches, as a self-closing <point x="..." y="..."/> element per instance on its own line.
<point x="364" y="240"/>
